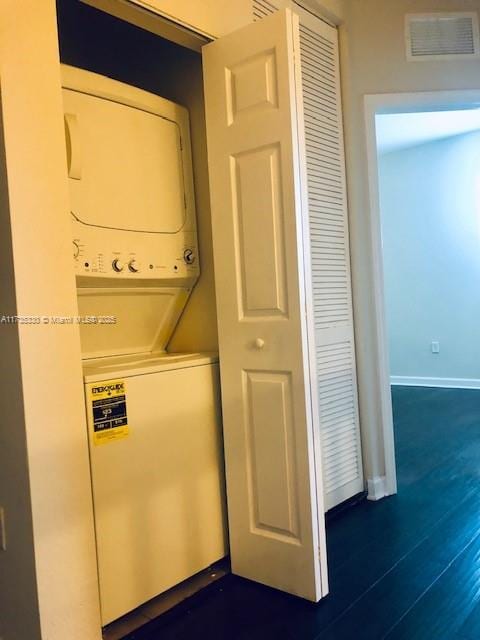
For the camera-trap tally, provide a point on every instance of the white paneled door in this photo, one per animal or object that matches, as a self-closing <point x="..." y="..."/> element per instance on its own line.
<point x="258" y="182"/>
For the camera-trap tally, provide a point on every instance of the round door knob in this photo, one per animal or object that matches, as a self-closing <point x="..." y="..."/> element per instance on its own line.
<point x="133" y="266"/>
<point x="259" y="343"/>
<point x="117" y="265"/>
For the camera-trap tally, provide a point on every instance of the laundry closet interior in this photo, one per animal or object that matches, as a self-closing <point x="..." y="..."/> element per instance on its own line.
<point x="223" y="368"/>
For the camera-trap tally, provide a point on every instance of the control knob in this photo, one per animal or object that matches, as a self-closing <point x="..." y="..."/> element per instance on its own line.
<point x="133" y="266"/>
<point x="117" y="265"/>
<point x="189" y="256"/>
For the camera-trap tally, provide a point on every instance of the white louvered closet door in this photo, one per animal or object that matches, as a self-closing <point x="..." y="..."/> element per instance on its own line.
<point x="332" y="297"/>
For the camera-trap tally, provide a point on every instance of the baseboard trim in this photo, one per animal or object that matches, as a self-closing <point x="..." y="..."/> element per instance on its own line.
<point x="446" y="383"/>
<point x="377" y="488"/>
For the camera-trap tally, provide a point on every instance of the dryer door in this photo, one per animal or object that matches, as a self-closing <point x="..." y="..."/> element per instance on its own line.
<point x="125" y="164"/>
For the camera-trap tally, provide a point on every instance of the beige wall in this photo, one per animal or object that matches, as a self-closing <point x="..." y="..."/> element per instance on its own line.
<point x="48" y="579"/>
<point x="373" y="61"/>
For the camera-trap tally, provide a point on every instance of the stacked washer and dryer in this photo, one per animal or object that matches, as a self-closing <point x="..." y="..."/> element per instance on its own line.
<point x="154" y="424"/>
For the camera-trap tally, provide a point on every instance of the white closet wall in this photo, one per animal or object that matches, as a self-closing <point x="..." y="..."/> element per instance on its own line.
<point x="332" y="298"/>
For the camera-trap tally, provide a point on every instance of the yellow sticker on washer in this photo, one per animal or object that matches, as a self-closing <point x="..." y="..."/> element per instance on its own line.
<point x="108" y="401"/>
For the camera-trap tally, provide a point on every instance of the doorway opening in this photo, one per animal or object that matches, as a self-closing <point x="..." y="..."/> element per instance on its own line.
<point x="423" y="177"/>
<point x="429" y="214"/>
<point x="429" y="187"/>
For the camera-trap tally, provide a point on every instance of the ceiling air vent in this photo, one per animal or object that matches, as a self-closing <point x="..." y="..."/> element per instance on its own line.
<point x="441" y="36"/>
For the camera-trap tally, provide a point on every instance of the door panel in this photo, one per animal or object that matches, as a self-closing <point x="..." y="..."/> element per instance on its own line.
<point x="271" y="455"/>
<point x="257" y="204"/>
<point x="258" y="194"/>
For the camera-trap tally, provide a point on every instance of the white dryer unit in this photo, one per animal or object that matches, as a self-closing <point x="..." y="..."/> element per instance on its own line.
<point x="132" y="209"/>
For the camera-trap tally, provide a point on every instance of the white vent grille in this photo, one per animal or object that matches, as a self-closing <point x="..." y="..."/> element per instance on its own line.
<point x="327" y="203"/>
<point x="442" y="36"/>
<point x="262" y="8"/>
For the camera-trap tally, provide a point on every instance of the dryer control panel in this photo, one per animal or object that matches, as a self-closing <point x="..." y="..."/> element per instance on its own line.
<point x="115" y="254"/>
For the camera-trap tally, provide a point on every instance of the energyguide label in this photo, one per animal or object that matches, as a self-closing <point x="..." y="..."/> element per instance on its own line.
<point x="108" y="402"/>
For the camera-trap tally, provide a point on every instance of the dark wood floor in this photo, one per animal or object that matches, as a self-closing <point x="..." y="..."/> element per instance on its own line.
<point x="405" y="568"/>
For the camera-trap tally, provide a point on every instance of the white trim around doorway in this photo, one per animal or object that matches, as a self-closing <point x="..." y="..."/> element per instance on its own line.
<point x="375" y="105"/>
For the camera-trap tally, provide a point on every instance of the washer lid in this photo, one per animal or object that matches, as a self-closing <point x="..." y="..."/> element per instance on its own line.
<point x="125" y="164"/>
<point x="140" y="364"/>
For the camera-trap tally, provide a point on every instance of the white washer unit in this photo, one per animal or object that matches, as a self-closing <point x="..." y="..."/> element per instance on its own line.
<point x="158" y="489"/>
<point x="153" y="417"/>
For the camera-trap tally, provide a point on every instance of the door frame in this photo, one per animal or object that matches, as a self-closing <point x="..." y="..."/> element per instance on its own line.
<point x="377" y="104"/>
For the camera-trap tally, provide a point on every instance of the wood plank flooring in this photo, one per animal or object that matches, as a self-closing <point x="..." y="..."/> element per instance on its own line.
<point x="405" y="568"/>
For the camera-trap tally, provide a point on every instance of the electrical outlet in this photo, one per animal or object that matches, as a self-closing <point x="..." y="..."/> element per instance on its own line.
<point x="3" y="532"/>
<point x="435" y="346"/>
